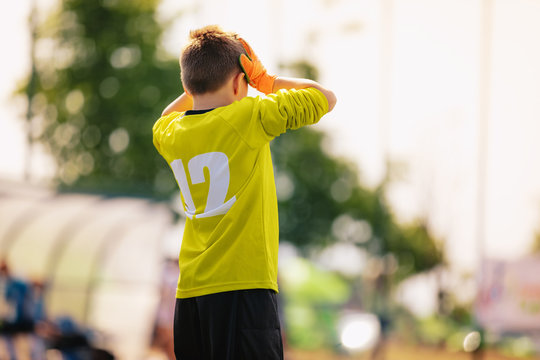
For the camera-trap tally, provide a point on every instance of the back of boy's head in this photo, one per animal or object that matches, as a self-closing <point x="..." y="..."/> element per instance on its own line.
<point x="209" y="59"/>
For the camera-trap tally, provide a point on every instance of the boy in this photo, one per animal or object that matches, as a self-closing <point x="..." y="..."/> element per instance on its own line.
<point x="216" y="140"/>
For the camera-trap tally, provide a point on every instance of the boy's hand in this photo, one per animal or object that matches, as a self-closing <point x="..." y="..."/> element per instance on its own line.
<point x="255" y="72"/>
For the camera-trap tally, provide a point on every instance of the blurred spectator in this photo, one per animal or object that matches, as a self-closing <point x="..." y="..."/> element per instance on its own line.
<point x="15" y="303"/>
<point x="23" y="320"/>
<point x="38" y="345"/>
<point x="163" y="328"/>
<point x="15" y="309"/>
<point x="71" y="341"/>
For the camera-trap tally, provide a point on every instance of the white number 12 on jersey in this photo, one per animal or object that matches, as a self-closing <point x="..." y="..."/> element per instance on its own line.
<point x="218" y="167"/>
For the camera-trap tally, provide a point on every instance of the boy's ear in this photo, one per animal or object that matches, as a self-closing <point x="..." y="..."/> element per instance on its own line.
<point x="237" y="80"/>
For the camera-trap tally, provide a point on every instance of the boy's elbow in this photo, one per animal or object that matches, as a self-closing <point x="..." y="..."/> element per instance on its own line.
<point x="332" y="100"/>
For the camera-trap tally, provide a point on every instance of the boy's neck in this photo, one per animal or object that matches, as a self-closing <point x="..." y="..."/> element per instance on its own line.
<point x="212" y="100"/>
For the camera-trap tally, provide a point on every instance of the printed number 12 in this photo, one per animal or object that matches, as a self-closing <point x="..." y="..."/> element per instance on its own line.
<point x="218" y="167"/>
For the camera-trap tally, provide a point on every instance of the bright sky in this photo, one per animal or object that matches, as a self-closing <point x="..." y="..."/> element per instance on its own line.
<point x="431" y="100"/>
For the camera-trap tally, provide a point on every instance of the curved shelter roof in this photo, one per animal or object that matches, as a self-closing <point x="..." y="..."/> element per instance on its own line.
<point x="100" y="257"/>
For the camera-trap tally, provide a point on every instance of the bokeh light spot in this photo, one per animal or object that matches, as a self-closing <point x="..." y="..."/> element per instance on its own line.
<point x="359" y="332"/>
<point x="284" y="186"/>
<point x="109" y="87"/>
<point x="69" y="173"/>
<point x="91" y="136"/>
<point x="126" y="57"/>
<point x="119" y="140"/>
<point x="346" y="228"/>
<point x="74" y="101"/>
<point x="341" y="190"/>
<point x="66" y="135"/>
<point x="85" y="161"/>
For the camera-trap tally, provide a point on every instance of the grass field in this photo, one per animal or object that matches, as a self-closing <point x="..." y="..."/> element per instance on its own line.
<point x="396" y="351"/>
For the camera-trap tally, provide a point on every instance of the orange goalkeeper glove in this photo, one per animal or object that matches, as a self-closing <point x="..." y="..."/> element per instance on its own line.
<point x="256" y="74"/>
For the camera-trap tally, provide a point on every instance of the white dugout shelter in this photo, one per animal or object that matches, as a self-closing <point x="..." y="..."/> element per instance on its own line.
<point x="100" y="257"/>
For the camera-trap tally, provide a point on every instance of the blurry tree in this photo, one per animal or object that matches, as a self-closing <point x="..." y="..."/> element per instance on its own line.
<point x="312" y="303"/>
<point x="100" y="81"/>
<point x="322" y="201"/>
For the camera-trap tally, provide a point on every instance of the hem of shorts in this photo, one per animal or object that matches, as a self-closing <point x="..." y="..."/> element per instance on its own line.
<point x="183" y="294"/>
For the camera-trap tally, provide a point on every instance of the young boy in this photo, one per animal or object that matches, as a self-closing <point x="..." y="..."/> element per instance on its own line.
<point x="216" y="140"/>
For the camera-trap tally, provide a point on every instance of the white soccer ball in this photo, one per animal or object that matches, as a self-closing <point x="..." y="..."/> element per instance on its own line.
<point x="472" y="341"/>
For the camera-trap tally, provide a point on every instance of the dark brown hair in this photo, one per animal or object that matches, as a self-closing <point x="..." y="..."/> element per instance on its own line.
<point x="209" y="59"/>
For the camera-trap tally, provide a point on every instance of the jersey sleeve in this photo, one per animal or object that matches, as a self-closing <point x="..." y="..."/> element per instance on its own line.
<point x="287" y="109"/>
<point x="160" y="129"/>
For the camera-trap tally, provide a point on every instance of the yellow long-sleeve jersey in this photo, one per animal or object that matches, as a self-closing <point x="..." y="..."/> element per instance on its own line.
<point x="221" y="161"/>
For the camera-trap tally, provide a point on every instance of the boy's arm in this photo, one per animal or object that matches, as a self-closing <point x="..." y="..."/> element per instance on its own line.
<point x="297" y="83"/>
<point x="182" y="103"/>
<point x="258" y="77"/>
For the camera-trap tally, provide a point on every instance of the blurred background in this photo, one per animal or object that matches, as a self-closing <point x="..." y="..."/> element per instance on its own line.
<point x="409" y="217"/>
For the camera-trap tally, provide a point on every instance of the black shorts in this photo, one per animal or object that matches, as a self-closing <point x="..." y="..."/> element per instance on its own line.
<point x="233" y="325"/>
